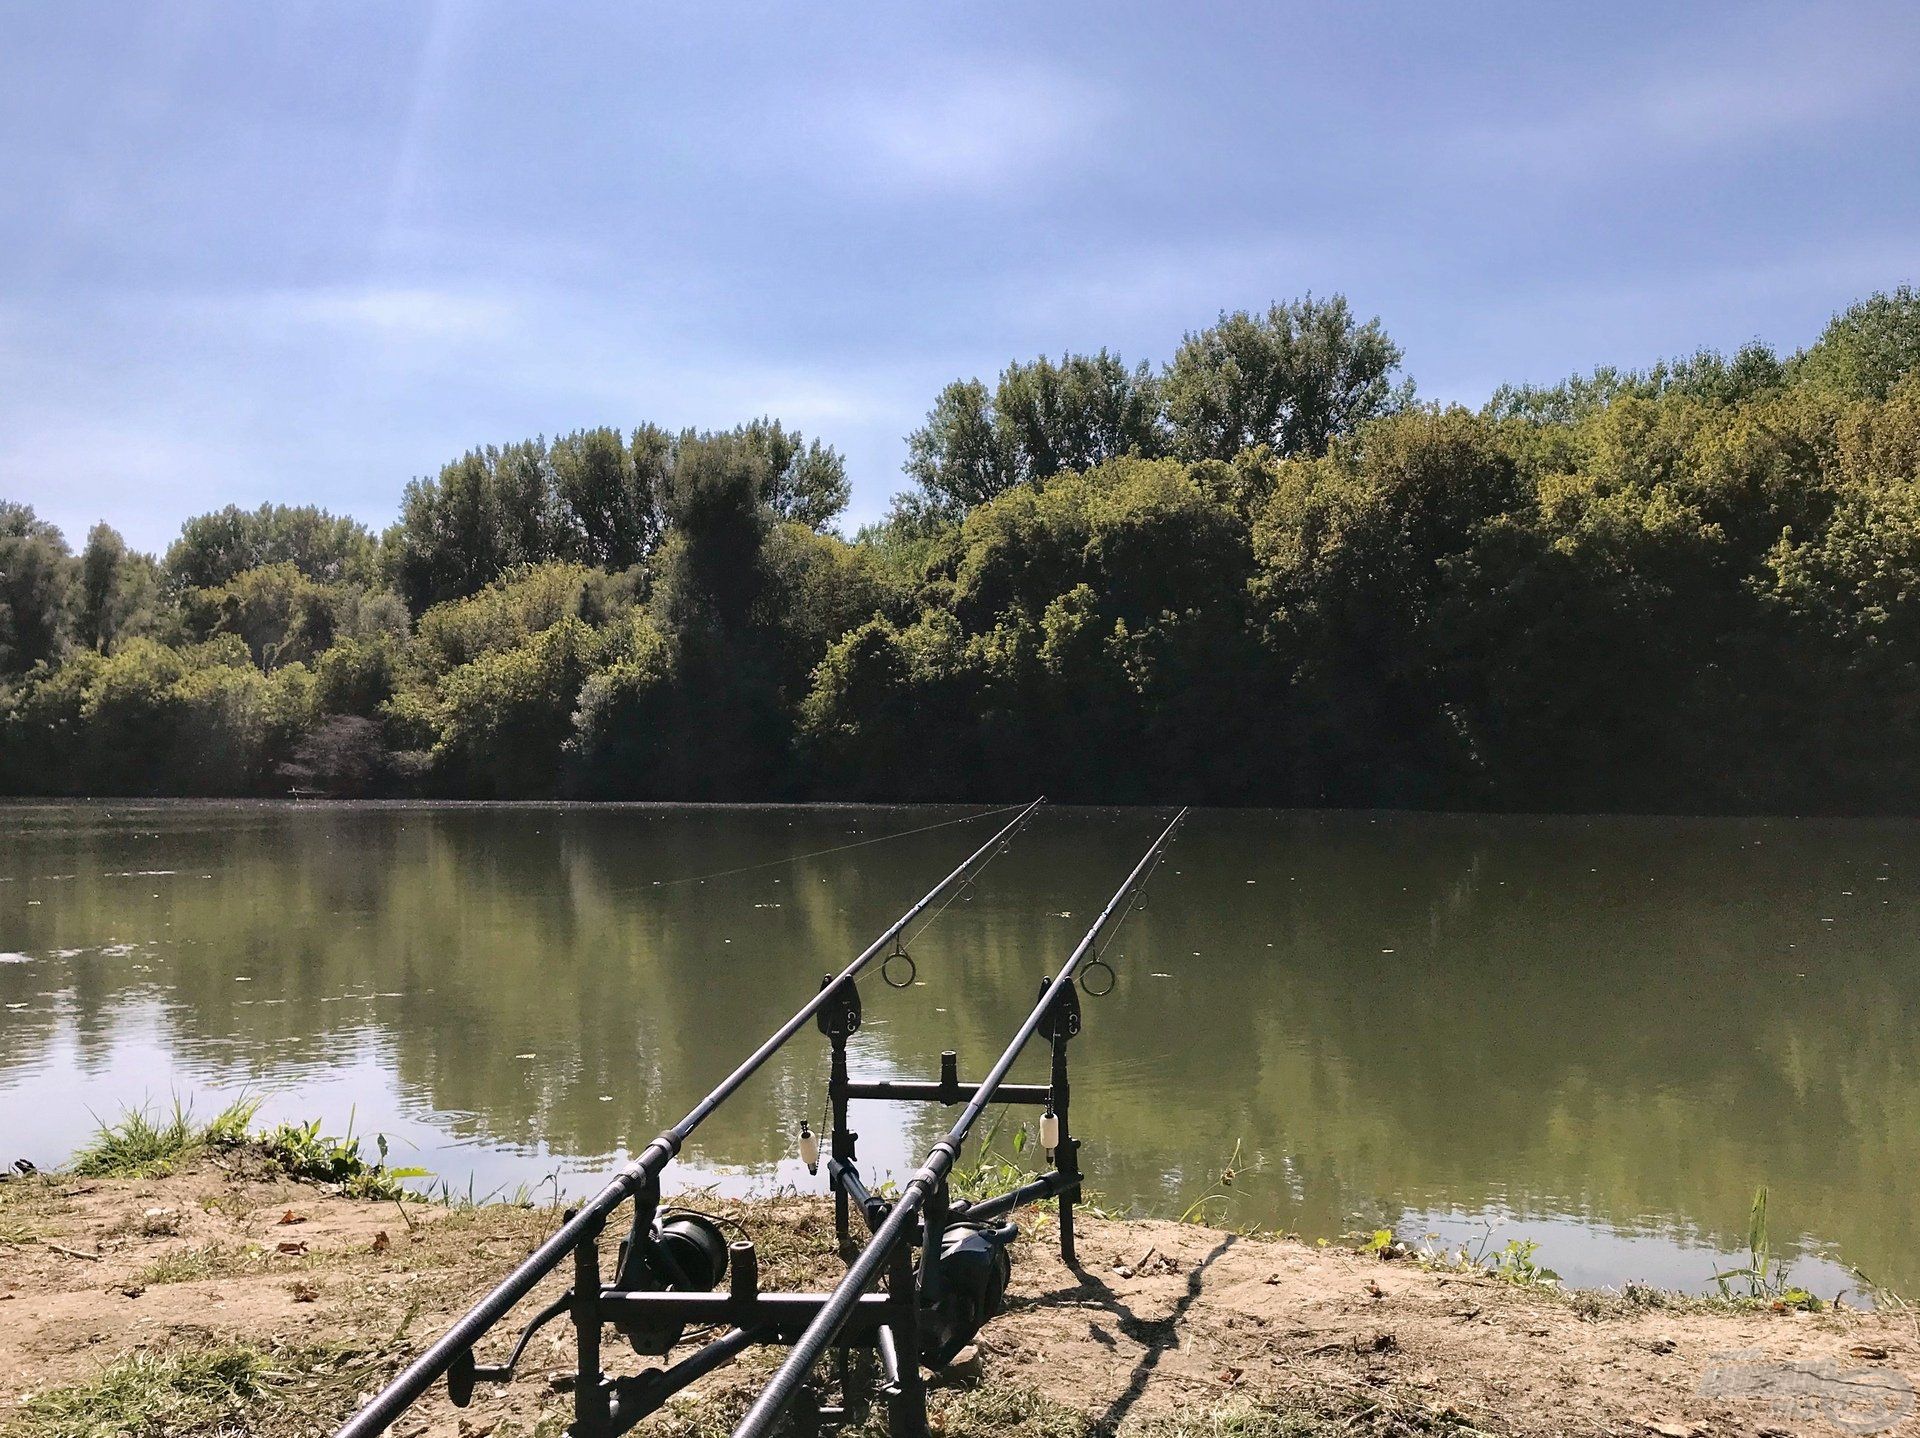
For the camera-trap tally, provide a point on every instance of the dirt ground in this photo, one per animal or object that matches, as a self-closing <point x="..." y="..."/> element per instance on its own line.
<point x="1166" y="1327"/>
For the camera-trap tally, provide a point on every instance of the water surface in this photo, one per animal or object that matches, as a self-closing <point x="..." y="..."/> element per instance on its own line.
<point x="1598" y="1033"/>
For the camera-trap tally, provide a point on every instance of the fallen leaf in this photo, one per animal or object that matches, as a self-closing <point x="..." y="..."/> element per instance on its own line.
<point x="1374" y="1290"/>
<point x="292" y="1245"/>
<point x="132" y="1290"/>
<point x="304" y="1292"/>
<point x="381" y="1242"/>
<point x="1867" y="1350"/>
<point x="291" y="1217"/>
<point x="1231" y="1376"/>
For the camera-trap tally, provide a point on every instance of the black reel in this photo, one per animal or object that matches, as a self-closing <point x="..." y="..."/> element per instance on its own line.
<point x="974" y="1268"/>
<point x="684" y="1253"/>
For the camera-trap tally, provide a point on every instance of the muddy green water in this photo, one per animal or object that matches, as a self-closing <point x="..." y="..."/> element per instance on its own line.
<point x="1601" y="1034"/>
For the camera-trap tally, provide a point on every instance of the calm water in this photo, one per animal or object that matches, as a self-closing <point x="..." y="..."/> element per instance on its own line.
<point x="1598" y="1033"/>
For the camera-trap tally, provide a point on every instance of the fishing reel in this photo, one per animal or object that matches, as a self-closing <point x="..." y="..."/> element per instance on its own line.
<point x="973" y="1270"/>
<point x="681" y="1252"/>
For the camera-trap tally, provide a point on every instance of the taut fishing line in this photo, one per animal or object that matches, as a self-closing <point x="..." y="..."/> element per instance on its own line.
<point x="1136" y="903"/>
<point x="839" y="849"/>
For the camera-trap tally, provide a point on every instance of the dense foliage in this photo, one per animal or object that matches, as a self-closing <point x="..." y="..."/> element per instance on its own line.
<point x="1262" y="573"/>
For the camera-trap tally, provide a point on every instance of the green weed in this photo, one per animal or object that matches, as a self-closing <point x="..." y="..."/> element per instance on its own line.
<point x="1764" y="1276"/>
<point x="301" y="1151"/>
<point x="141" y="1145"/>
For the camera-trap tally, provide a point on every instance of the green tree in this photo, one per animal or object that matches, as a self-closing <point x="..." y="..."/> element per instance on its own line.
<point x="36" y="589"/>
<point x="1358" y="551"/>
<point x="1292" y="379"/>
<point x="505" y="716"/>
<point x="1041" y="419"/>
<point x="284" y="617"/>
<point x="1754" y="370"/>
<point x="1867" y="348"/>
<point x="489" y="510"/>
<point x="611" y="488"/>
<point x="896" y="712"/>
<point x="118" y="592"/>
<point x="805" y="481"/>
<point x="214" y="548"/>
<point x="513" y="608"/>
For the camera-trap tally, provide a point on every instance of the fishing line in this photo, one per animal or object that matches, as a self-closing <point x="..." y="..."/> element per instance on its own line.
<point x="1137" y="902"/>
<point x="838" y="849"/>
<point x="902" y="948"/>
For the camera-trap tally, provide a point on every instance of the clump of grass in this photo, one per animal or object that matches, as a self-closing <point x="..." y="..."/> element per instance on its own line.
<point x="1219" y="1191"/>
<point x="190" y="1265"/>
<point x="143" y="1145"/>
<point x="1005" y="1410"/>
<point x="1764" y="1277"/>
<point x="201" y="1390"/>
<point x="183" y="1391"/>
<point x="1516" y="1262"/>
<point x="29" y="1203"/>
<point x="301" y="1151"/>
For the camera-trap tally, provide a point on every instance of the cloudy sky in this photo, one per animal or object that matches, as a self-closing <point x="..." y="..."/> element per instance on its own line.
<point x="304" y="252"/>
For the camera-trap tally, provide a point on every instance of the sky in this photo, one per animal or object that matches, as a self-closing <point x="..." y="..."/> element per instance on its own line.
<point x="305" y="252"/>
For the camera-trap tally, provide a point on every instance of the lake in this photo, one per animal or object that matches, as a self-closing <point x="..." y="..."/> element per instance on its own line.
<point x="1598" y="1033"/>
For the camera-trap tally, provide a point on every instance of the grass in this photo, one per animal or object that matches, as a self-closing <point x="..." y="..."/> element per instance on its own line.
<point x="200" y="1390"/>
<point x="207" y="1390"/>
<point x="1763" y="1279"/>
<point x="1020" y="1410"/>
<point x="222" y="1260"/>
<point x="141" y="1145"/>
<point x="28" y="1205"/>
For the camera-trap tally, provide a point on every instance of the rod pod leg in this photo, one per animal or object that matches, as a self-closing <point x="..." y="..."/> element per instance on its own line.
<point x="590" y="1414"/>
<point x="907" y="1404"/>
<point x="839" y="1020"/>
<point x="1066" y="1158"/>
<point x="1060" y="1023"/>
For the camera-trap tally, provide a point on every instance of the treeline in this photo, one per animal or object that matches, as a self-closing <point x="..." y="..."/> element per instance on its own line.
<point x="1264" y="573"/>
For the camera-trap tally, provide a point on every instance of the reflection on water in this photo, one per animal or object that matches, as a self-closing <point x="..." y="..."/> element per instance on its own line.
<point x="1599" y="1033"/>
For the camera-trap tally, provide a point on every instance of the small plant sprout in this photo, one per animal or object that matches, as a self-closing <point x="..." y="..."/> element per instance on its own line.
<point x="1764" y="1275"/>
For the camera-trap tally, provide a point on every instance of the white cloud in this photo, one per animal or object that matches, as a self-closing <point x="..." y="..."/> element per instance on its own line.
<point x="974" y="128"/>
<point x="388" y="312"/>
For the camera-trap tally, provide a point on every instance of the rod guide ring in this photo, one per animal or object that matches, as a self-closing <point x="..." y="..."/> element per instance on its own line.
<point x="1104" y="989"/>
<point x="887" y="970"/>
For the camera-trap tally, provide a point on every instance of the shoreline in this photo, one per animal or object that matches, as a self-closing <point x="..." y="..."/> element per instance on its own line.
<point x="225" y="1296"/>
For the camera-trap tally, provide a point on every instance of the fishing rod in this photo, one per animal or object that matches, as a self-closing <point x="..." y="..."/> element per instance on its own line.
<point x="894" y="1320"/>
<point x="646" y="1257"/>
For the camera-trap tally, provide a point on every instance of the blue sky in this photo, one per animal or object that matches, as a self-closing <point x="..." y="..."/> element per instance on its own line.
<point x="304" y="252"/>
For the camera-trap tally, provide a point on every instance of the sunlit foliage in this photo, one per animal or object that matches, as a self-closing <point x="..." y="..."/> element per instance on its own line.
<point x="1263" y="573"/>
